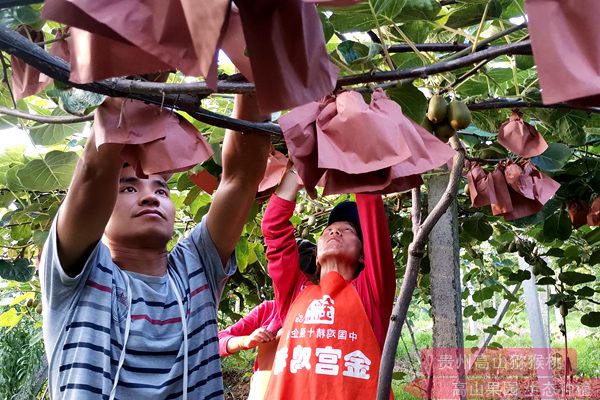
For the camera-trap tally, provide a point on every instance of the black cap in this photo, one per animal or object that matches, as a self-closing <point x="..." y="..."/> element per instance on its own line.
<point x="348" y="212"/>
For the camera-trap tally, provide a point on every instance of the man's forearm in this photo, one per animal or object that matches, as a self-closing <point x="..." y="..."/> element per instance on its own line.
<point x="91" y="198"/>
<point x="244" y="162"/>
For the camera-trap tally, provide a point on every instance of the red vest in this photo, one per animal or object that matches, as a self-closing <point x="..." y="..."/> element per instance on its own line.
<point x="328" y="349"/>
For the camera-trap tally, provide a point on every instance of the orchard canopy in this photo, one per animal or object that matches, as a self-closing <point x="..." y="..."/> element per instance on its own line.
<point x="476" y="52"/>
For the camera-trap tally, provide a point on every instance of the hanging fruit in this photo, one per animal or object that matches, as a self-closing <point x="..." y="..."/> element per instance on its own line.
<point x="437" y="110"/>
<point x="459" y="115"/>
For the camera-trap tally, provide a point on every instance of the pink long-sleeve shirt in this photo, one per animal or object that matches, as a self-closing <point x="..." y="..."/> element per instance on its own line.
<point x="264" y="315"/>
<point x="376" y="284"/>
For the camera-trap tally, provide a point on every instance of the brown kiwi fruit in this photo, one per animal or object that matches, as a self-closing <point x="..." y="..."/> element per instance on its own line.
<point x="437" y="109"/>
<point x="459" y="115"/>
<point x="444" y="131"/>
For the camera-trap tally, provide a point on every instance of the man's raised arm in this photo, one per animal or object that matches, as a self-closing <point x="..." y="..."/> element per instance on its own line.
<point x="88" y="205"/>
<point x="244" y="161"/>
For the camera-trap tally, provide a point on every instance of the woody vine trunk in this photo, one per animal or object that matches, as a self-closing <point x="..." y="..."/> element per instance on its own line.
<point x="415" y="255"/>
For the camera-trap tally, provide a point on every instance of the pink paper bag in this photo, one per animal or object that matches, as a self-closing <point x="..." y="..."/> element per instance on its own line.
<point x="287" y="52"/>
<point x="566" y="50"/>
<point x="520" y="137"/>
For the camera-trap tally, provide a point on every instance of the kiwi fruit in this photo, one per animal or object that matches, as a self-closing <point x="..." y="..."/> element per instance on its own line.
<point x="437" y="109"/>
<point x="428" y="125"/>
<point x="459" y="115"/>
<point x="444" y="132"/>
<point x="305" y="232"/>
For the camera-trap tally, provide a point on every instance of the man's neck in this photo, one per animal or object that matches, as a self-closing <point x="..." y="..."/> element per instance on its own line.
<point x="140" y="260"/>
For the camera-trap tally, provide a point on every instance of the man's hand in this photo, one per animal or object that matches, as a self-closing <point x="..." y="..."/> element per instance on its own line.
<point x="260" y="335"/>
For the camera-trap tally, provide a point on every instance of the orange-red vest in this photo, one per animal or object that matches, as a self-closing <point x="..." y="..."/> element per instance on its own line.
<point x="328" y="349"/>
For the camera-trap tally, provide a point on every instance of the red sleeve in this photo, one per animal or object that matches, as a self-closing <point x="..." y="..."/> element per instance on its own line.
<point x="376" y="285"/>
<point x="245" y="326"/>
<point x="282" y="253"/>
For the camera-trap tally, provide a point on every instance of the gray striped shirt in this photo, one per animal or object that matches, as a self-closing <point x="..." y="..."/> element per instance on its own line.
<point x="84" y="324"/>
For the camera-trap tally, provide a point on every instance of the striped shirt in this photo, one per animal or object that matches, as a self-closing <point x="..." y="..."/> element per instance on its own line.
<point x="85" y="316"/>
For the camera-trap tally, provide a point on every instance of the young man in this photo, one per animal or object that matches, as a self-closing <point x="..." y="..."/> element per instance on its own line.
<point x="123" y="318"/>
<point x="333" y="332"/>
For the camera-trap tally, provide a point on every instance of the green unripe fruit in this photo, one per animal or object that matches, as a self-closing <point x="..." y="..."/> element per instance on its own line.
<point x="444" y="132"/>
<point x="304" y="233"/>
<point x="459" y="115"/>
<point x="437" y="109"/>
<point x="428" y="125"/>
<point x="311" y="220"/>
<point x="38" y="309"/>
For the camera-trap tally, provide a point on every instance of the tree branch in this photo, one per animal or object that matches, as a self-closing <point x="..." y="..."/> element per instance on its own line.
<point x="45" y="119"/>
<point x="58" y="69"/>
<point x="523" y="47"/>
<point x="415" y="254"/>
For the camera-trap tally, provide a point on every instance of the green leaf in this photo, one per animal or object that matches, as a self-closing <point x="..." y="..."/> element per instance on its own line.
<point x="411" y="99"/>
<point x="469" y="310"/>
<point x="351" y="51"/>
<point x="519" y="276"/>
<point x="15" y="16"/>
<point x="594" y="258"/>
<point x="558" y="226"/>
<point x="586" y="291"/>
<point x="241" y="253"/>
<point x="79" y="102"/>
<point x="477" y="227"/>
<point x="10" y="318"/>
<point x="591" y="319"/>
<point x="327" y="27"/>
<point x="351" y="19"/>
<point x="19" y="270"/>
<point x="490" y="312"/>
<point x="546" y="280"/>
<point x="573" y="278"/>
<point x="492" y="329"/>
<point x="49" y="134"/>
<point x="471" y="337"/>
<point x="555" y="252"/>
<point x="471" y="14"/>
<point x="52" y="172"/>
<point x="416" y="10"/>
<point x="12" y="180"/>
<point x="398" y="375"/>
<point x="387" y="8"/>
<point x="592" y="236"/>
<point x="554" y="158"/>
<point x="483" y="294"/>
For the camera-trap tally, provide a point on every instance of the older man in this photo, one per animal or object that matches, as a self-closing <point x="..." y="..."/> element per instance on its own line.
<point x="124" y="318"/>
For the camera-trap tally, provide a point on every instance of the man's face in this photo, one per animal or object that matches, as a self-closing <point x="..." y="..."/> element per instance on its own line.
<point x="144" y="214"/>
<point x="339" y="241"/>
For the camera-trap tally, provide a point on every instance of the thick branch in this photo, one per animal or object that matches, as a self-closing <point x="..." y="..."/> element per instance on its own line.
<point x="523" y="47"/>
<point x="489" y="40"/>
<point x="58" y="69"/>
<point x="45" y="119"/>
<point x="416" y="251"/>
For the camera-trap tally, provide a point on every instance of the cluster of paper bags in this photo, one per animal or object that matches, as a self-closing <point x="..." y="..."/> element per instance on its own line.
<point x="336" y="141"/>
